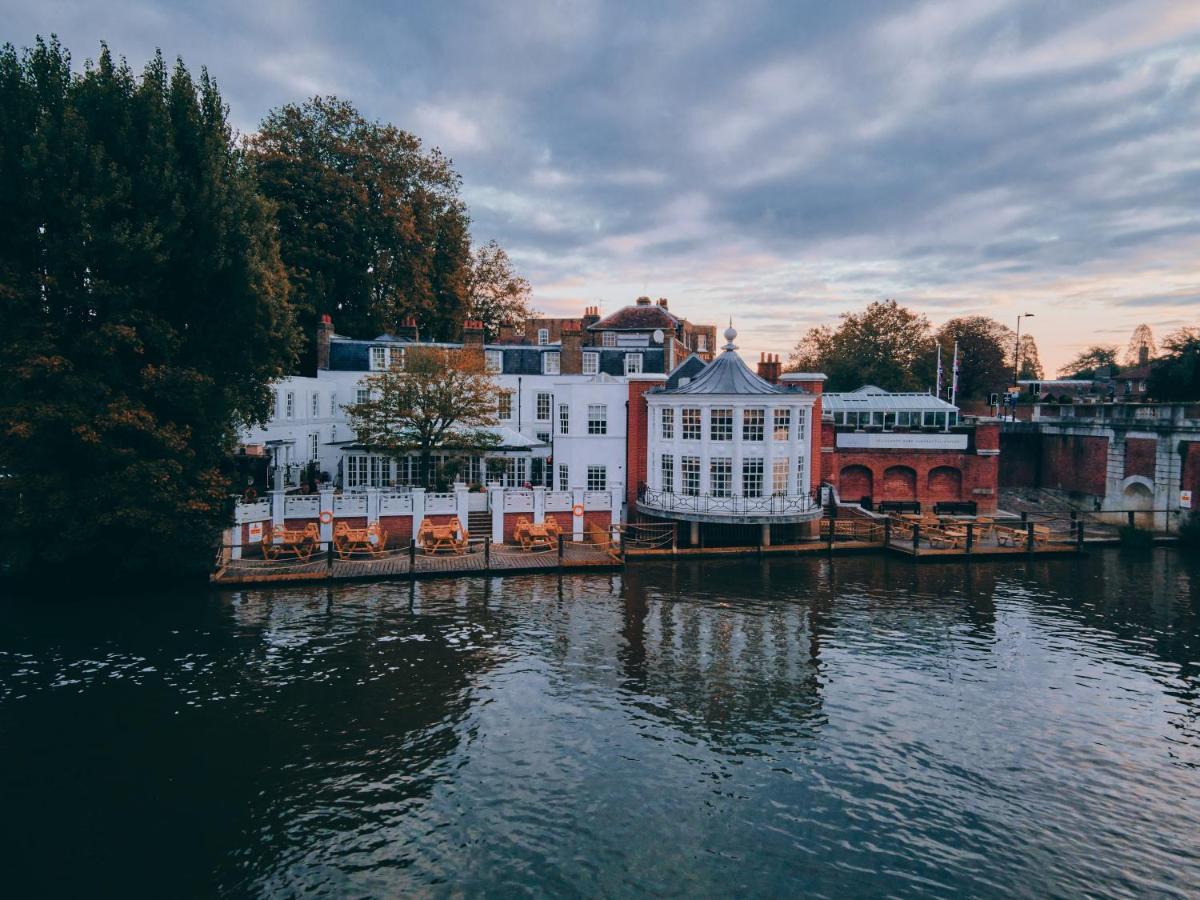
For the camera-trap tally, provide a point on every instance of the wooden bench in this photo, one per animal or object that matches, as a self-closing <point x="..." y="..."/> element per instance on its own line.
<point x="900" y="506"/>
<point x="955" y="508"/>
<point x="347" y="540"/>
<point x="299" y="542"/>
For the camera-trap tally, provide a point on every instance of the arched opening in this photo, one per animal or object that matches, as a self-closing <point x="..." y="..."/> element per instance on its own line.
<point x="1139" y="499"/>
<point x="899" y="483"/>
<point x="945" y="483"/>
<point x="855" y="483"/>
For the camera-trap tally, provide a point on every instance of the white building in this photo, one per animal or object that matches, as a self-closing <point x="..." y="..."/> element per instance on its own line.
<point x="728" y="447"/>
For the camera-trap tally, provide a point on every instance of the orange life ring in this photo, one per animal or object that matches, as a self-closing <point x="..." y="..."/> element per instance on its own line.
<point x="577" y="510"/>
<point x="326" y="517"/>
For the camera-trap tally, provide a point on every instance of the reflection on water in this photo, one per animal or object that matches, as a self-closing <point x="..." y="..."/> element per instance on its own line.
<point x="838" y="727"/>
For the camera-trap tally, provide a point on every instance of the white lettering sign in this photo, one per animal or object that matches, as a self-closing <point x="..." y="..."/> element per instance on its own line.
<point x="896" y="440"/>
<point x="254" y="532"/>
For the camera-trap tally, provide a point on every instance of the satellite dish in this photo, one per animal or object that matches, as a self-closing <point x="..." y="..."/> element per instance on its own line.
<point x="658" y="336"/>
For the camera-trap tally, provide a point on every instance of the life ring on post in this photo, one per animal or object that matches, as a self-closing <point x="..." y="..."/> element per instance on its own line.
<point x="326" y="517"/>
<point x="577" y="510"/>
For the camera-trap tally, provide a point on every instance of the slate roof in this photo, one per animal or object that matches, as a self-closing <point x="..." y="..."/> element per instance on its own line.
<point x="871" y="398"/>
<point x="637" y="318"/>
<point x="727" y="374"/>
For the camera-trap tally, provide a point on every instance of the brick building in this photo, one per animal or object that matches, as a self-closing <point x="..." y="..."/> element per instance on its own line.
<point x="878" y="447"/>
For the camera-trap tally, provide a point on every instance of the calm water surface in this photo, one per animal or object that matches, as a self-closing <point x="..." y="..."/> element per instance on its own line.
<point x="838" y="728"/>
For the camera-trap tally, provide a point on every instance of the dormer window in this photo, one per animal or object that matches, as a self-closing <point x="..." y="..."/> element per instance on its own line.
<point x="551" y="363"/>
<point x="543" y="337"/>
<point x="608" y="339"/>
<point x="379" y="359"/>
<point x="494" y="361"/>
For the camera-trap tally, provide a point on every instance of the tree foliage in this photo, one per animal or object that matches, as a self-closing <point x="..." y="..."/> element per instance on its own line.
<point x="985" y="355"/>
<point x="1141" y="340"/>
<point x="143" y="312"/>
<point x="1090" y="360"/>
<point x="1031" y="361"/>
<point x="495" y="292"/>
<point x="886" y="345"/>
<point x="1176" y="375"/>
<point x="436" y="399"/>
<point x="371" y="224"/>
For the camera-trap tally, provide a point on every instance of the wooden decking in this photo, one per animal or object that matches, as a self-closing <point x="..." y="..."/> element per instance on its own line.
<point x="403" y="563"/>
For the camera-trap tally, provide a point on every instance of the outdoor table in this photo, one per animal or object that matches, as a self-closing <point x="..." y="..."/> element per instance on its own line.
<point x="301" y="542"/>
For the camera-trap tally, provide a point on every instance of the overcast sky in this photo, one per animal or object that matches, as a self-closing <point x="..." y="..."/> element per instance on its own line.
<point x="777" y="163"/>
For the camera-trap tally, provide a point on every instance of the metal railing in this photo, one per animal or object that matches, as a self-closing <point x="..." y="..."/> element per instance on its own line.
<point x="732" y="505"/>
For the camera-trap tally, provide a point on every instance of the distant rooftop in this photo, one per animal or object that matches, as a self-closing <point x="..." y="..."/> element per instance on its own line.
<point x="870" y="397"/>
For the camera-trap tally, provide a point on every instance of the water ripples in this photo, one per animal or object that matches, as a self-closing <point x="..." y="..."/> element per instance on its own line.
<point x="837" y="728"/>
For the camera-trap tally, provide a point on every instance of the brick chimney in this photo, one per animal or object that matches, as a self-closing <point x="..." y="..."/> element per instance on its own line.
<point x="324" y="334"/>
<point x="472" y="336"/>
<point x="662" y="301"/>
<point x="591" y="315"/>
<point x="571" y="360"/>
<point x="408" y="330"/>
<point x="507" y="333"/>
<point x="643" y="301"/>
<point x="769" y="367"/>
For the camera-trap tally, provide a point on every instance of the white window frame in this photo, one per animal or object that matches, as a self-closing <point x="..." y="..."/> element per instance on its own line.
<point x="333" y="405"/>
<point x="608" y="339"/>
<point x="633" y="363"/>
<point x="362" y="395"/>
<point x="591" y="363"/>
<point x="752" y="476"/>
<point x="754" y="423"/>
<point x="564" y="418"/>
<point x="720" y="423"/>
<point x="551" y="362"/>
<point x="379" y="359"/>
<point x="689" y="476"/>
<point x="504" y="406"/>
<point x="667" y="472"/>
<point x="597" y="478"/>
<point x="315" y="405"/>
<point x="691" y="427"/>
<point x="564" y="477"/>
<point x="544" y="399"/>
<point x="781" y="429"/>
<point x="720" y="476"/>
<point x="667" y="424"/>
<point x="543" y="335"/>
<point x="780" y="466"/>
<point x="493" y="361"/>
<point x="314" y="446"/>
<point x="597" y="419"/>
<point x="289" y="405"/>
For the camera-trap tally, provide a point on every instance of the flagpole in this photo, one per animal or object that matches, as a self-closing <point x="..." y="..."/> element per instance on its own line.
<point x="954" y="377"/>
<point x="937" y="391"/>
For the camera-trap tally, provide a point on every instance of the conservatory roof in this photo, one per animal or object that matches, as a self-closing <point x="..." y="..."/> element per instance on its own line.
<point x="727" y="374"/>
<point x="870" y="398"/>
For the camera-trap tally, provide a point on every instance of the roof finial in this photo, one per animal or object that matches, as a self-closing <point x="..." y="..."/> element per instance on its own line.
<point x="730" y="334"/>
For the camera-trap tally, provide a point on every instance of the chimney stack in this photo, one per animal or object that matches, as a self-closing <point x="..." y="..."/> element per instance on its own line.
<point x="662" y="301"/>
<point x="769" y="367"/>
<point x="408" y="330"/>
<point x="324" y="334"/>
<point x="591" y="315"/>
<point x="643" y="301"/>
<point x="472" y="336"/>
<point x="571" y="360"/>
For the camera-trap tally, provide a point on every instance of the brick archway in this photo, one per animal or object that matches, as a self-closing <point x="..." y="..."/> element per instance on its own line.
<point x="945" y="483"/>
<point x="854" y="483"/>
<point x="899" y="483"/>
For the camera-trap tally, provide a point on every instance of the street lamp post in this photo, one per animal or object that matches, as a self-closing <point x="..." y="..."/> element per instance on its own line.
<point x="1017" y="359"/>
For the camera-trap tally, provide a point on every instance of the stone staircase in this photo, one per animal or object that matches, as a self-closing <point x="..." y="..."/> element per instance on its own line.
<point x="479" y="523"/>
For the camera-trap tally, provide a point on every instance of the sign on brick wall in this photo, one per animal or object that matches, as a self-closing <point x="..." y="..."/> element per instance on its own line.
<point x="887" y="440"/>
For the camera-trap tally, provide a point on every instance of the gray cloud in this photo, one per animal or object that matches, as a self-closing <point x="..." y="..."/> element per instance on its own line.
<point x="783" y="161"/>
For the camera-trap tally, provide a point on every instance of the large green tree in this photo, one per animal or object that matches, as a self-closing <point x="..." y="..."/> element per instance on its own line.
<point x="886" y="345"/>
<point x="1176" y="374"/>
<point x="371" y="225"/>
<point x="143" y="312"/>
<point x="1087" y="362"/>
<point x="986" y="349"/>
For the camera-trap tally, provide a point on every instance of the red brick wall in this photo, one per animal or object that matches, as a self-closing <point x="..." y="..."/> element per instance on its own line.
<point x="928" y="476"/>
<point x="597" y="519"/>
<point x="1139" y="456"/>
<point x="399" y="528"/>
<point x="900" y="483"/>
<point x="637" y="434"/>
<point x="565" y="520"/>
<point x="1189" y="476"/>
<point x="1074" y="463"/>
<point x="1020" y="460"/>
<point x="817" y="430"/>
<point x="299" y="523"/>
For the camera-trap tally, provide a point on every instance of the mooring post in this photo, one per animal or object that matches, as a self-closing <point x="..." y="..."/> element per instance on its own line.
<point x="887" y="531"/>
<point x="829" y="537"/>
<point x="1079" y="534"/>
<point x="412" y="554"/>
<point x="487" y="551"/>
<point x="560" y="549"/>
<point x="1129" y="518"/>
<point x="1029" y="536"/>
<point x="970" y="537"/>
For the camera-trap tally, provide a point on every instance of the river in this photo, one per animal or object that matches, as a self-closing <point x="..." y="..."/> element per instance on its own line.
<point x="835" y="727"/>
